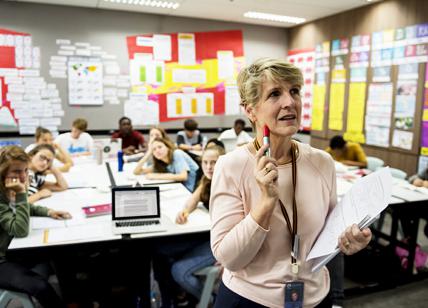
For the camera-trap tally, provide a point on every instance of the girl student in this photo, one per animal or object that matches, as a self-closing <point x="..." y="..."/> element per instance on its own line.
<point x="44" y="136"/>
<point x="41" y="159"/>
<point x="15" y="212"/>
<point x="168" y="163"/>
<point x="200" y="256"/>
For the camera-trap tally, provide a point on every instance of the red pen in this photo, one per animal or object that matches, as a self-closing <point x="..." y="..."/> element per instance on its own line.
<point x="266" y="134"/>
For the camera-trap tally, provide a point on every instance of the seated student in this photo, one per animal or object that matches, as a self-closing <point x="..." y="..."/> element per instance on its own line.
<point x="76" y="142"/>
<point x="15" y="212"/>
<point x="214" y="142"/>
<point x="190" y="138"/>
<point x="168" y="164"/>
<point x="200" y="256"/>
<point x="157" y="132"/>
<point x="348" y="153"/>
<point x="132" y="140"/>
<point x="44" y="136"/>
<point x="420" y="179"/>
<point x="41" y="158"/>
<point x="237" y="132"/>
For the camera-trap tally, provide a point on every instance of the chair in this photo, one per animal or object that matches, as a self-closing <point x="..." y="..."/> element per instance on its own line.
<point x="374" y="163"/>
<point x="211" y="273"/>
<point x="7" y="296"/>
<point x="397" y="173"/>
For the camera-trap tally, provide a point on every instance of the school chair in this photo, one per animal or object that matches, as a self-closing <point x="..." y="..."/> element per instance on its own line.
<point x="7" y="296"/>
<point x="374" y="163"/>
<point x="211" y="273"/>
<point x="397" y="173"/>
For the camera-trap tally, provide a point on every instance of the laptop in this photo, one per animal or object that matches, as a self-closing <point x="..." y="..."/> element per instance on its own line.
<point x="230" y="144"/>
<point x="136" y="210"/>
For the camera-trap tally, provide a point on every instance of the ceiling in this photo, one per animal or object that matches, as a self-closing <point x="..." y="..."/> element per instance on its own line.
<point x="227" y="10"/>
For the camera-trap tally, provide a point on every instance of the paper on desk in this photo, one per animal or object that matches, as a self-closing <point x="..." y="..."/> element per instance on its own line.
<point x="369" y="195"/>
<point x="79" y="233"/>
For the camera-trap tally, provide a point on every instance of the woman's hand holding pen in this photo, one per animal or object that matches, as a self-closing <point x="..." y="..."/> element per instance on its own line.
<point x="354" y="239"/>
<point x="182" y="217"/>
<point x="266" y="173"/>
<point x="58" y="214"/>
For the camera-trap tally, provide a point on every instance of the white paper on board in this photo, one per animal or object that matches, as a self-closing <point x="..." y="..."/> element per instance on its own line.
<point x="226" y="64"/>
<point x="162" y="47"/>
<point x="186" y="49"/>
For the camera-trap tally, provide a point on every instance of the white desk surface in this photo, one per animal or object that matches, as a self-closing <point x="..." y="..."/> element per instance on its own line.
<point x="80" y="229"/>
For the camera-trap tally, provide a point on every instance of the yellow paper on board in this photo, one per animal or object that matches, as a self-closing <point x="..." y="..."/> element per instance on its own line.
<point x="318" y="103"/>
<point x="356" y="106"/>
<point x="336" y="106"/>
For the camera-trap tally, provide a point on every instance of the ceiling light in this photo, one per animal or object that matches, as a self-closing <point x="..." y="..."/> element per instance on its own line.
<point x="160" y="4"/>
<point x="274" y="17"/>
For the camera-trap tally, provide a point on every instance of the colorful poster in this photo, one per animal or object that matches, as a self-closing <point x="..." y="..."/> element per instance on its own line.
<point x="26" y="99"/>
<point x="85" y="81"/>
<point x="405" y="102"/>
<point x="378" y="114"/>
<point x="322" y="57"/>
<point x="424" y="130"/>
<point x="355" y="119"/>
<point x="304" y="60"/>
<point x="187" y="74"/>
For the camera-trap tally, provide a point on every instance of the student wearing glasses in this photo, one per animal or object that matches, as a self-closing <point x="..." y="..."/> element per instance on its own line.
<point x="42" y="157"/>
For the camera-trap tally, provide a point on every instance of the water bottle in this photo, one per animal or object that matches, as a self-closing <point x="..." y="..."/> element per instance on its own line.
<point x="99" y="155"/>
<point x="120" y="161"/>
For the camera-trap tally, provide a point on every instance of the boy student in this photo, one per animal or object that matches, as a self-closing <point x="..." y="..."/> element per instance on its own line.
<point x="132" y="140"/>
<point x="76" y="142"/>
<point x="348" y="153"/>
<point x="237" y="132"/>
<point x="190" y="138"/>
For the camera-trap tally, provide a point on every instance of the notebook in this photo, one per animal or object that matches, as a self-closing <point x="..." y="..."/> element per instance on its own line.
<point x="136" y="210"/>
<point x="97" y="210"/>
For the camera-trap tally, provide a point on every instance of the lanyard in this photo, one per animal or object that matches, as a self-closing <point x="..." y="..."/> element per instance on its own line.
<point x="291" y="228"/>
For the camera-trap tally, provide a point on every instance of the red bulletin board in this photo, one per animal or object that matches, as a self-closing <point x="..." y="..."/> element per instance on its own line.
<point x="207" y="46"/>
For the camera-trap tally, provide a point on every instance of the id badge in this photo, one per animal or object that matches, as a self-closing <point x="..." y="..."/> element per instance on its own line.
<point x="294" y="294"/>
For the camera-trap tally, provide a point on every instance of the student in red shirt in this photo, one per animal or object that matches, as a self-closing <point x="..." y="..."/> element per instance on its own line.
<point x="132" y="140"/>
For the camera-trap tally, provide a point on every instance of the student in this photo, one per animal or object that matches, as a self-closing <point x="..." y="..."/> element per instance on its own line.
<point x="40" y="164"/>
<point x="237" y="132"/>
<point x="132" y="140"/>
<point x="44" y="136"/>
<point x="157" y="132"/>
<point x="168" y="164"/>
<point x="214" y="142"/>
<point x="77" y="142"/>
<point x="190" y="138"/>
<point x="420" y="179"/>
<point x="348" y="153"/>
<point x="200" y="256"/>
<point x="15" y="212"/>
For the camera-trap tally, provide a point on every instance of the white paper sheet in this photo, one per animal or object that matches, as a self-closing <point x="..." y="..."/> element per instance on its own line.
<point x="186" y="49"/>
<point x="225" y="64"/>
<point x="162" y="47"/>
<point x="369" y="195"/>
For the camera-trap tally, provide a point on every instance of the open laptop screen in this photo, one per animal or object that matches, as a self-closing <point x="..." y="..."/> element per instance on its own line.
<point x="135" y="202"/>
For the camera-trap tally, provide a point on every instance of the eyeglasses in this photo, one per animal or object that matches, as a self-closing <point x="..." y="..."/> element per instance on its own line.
<point x="44" y="158"/>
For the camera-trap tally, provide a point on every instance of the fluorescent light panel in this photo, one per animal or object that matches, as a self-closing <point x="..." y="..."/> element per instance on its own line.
<point x="274" y="17"/>
<point x="159" y="4"/>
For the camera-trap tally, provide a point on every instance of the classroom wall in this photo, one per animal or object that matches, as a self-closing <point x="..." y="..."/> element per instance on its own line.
<point x="109" y="29"/>
<point x="366" y="20"/>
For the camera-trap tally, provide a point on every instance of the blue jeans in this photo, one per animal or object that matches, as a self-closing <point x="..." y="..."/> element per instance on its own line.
<point x="183" y="269"/>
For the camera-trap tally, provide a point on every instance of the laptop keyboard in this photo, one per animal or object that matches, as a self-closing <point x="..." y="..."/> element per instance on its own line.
<point x="137" y="223"/>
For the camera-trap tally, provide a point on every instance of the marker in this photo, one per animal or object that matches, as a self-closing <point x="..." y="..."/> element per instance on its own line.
<point x="266" y="133"/>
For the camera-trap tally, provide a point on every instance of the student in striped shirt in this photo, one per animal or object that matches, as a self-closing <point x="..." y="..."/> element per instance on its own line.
<point x="40" y="165"/>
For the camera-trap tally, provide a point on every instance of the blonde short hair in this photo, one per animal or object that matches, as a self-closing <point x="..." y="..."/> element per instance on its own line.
<point x="251" y="78"/>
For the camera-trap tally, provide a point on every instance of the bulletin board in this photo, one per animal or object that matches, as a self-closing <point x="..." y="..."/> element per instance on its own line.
<point x="179" y="75"/>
